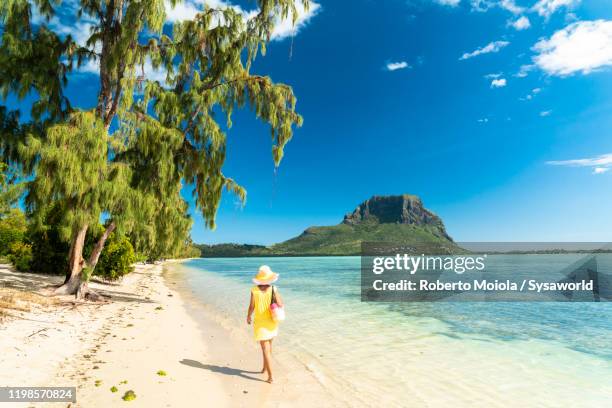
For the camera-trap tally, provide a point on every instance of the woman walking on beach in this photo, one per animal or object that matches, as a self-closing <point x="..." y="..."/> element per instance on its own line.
<point x="265" y="327"/>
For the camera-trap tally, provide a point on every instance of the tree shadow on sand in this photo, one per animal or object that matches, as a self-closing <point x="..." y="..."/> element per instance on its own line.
<point x="221" y="369"/>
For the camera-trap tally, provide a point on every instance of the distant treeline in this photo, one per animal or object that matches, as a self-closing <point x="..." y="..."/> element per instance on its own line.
<point x="230" y="250"/>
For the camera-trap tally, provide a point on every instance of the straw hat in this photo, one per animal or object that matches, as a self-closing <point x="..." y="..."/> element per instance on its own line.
<point x="265" y="276"/>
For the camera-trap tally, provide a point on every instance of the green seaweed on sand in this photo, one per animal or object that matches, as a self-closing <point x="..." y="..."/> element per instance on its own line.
<point x="129" y="396"/>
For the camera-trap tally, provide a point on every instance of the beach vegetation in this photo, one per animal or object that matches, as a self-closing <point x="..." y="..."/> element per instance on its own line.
<point x="117" y="259"/>
<point x="128" y="160"/>
<point x="114" y="389"/>
<point x="162" y="373"/>
<point x="49" y="249"/>
<point x="20" y="255"/>
<point x="129" y="396"/>
<point x="13" y="228"/>
<point x="10" y="188"/>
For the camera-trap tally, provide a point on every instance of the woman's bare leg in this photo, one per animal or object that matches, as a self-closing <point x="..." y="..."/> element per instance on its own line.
<point x="267" y="348"/>
<point x="263" y="355"/>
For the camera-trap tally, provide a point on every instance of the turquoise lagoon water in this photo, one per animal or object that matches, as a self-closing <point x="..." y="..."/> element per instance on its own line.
<point x="422" y="354"/>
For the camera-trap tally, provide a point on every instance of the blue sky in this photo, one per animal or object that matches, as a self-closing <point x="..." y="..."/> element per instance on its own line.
<point x="498" y="114"/>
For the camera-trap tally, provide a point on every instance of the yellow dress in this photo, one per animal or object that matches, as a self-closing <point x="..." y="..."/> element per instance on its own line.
<point x="265" y="328"/>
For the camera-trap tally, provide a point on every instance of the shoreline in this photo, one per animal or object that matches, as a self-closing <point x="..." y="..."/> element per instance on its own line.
<point x="160" y="319"/>
<point x="150" y="325"/>
<point x="236" y="357"/>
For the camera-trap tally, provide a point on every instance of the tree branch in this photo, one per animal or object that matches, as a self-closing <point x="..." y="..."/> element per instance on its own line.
<point x="191" y="123"/>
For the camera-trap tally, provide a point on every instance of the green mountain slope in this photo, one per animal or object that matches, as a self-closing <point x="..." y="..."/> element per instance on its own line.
<point x="396" y="219"/>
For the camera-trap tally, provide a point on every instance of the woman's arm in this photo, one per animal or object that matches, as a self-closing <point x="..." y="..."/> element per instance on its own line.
<point x="279" y="299"/>
<point x="251" y="308"/>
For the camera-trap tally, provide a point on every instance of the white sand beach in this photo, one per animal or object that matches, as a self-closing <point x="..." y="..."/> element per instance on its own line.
<point x="154" y="322"/>
<point x="145" y="328"/>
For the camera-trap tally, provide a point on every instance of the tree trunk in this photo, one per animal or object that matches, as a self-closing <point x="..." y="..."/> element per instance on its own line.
<point x="75" y="263"/>
<point x="95" y="254"/>
<point x="74" y="284"/>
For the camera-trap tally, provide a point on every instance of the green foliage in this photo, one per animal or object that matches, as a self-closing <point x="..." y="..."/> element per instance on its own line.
<point x="9" y="192"/>
<point x="190" y="251"/>
<point x="116" y="259"/>
<point x="49" y="250"/>
<point x="114" y="389"/>
<point x="167" y="140"/>
<point x="20" y="255"/>
<point x="12" y="229"/>
<point x="129" y="396"/>
<point x="86" y="273"/>
<point x="72" y="169"/>
<point x="187" y="250"/>
<point x="231" y="250"/>
<point x="162" y="373"/>
<point x="140" y="257"/>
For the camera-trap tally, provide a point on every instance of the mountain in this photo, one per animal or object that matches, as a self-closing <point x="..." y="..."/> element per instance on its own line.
<point x="397" y="219"/>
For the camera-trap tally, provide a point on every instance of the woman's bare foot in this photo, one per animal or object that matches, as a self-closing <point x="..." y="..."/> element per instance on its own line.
<point x="269" y="380"/>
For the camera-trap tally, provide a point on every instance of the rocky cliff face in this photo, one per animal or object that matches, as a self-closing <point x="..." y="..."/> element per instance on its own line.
<point x="400" y="209"/>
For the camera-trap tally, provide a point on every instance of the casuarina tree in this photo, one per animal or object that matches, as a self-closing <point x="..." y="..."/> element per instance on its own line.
<point x="126" y="161"/>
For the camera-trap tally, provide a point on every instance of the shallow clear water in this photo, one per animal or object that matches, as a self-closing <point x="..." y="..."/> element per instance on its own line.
<point x="494" y="354"/>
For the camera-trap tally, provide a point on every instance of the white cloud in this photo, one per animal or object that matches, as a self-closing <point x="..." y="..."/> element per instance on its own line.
<point x="286" y="28"/>
<point x="545" y="113"/>
<point x="571" y="17"/>
<point x="150" y="73"/>
<point x="583" y="46"/>
<point x="511" y="6"/>
<point x="452" y="3"/>
<point x="181" y="11"/>
<point x="483" y="120"/>
<point x="90" y="67"/>
<point x="531" y="95"/>
<point x="524" y="70"/>
<point x="600" y="170"/>
<point x="485" y="5"/>
<point x="394" y="66"/>
<point x="493" y="76"/>
<point x="79" y="30"/>
<point x="494" y="46"/>
<point x="481" y="5"/>
<point x="153" y="74"/>
<point x="546" y="8"/>
<point x="522" y="23"/>
<point x="282" y="29"/>
<point x="498" y="83"/>
<point x="600" y="164"/>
